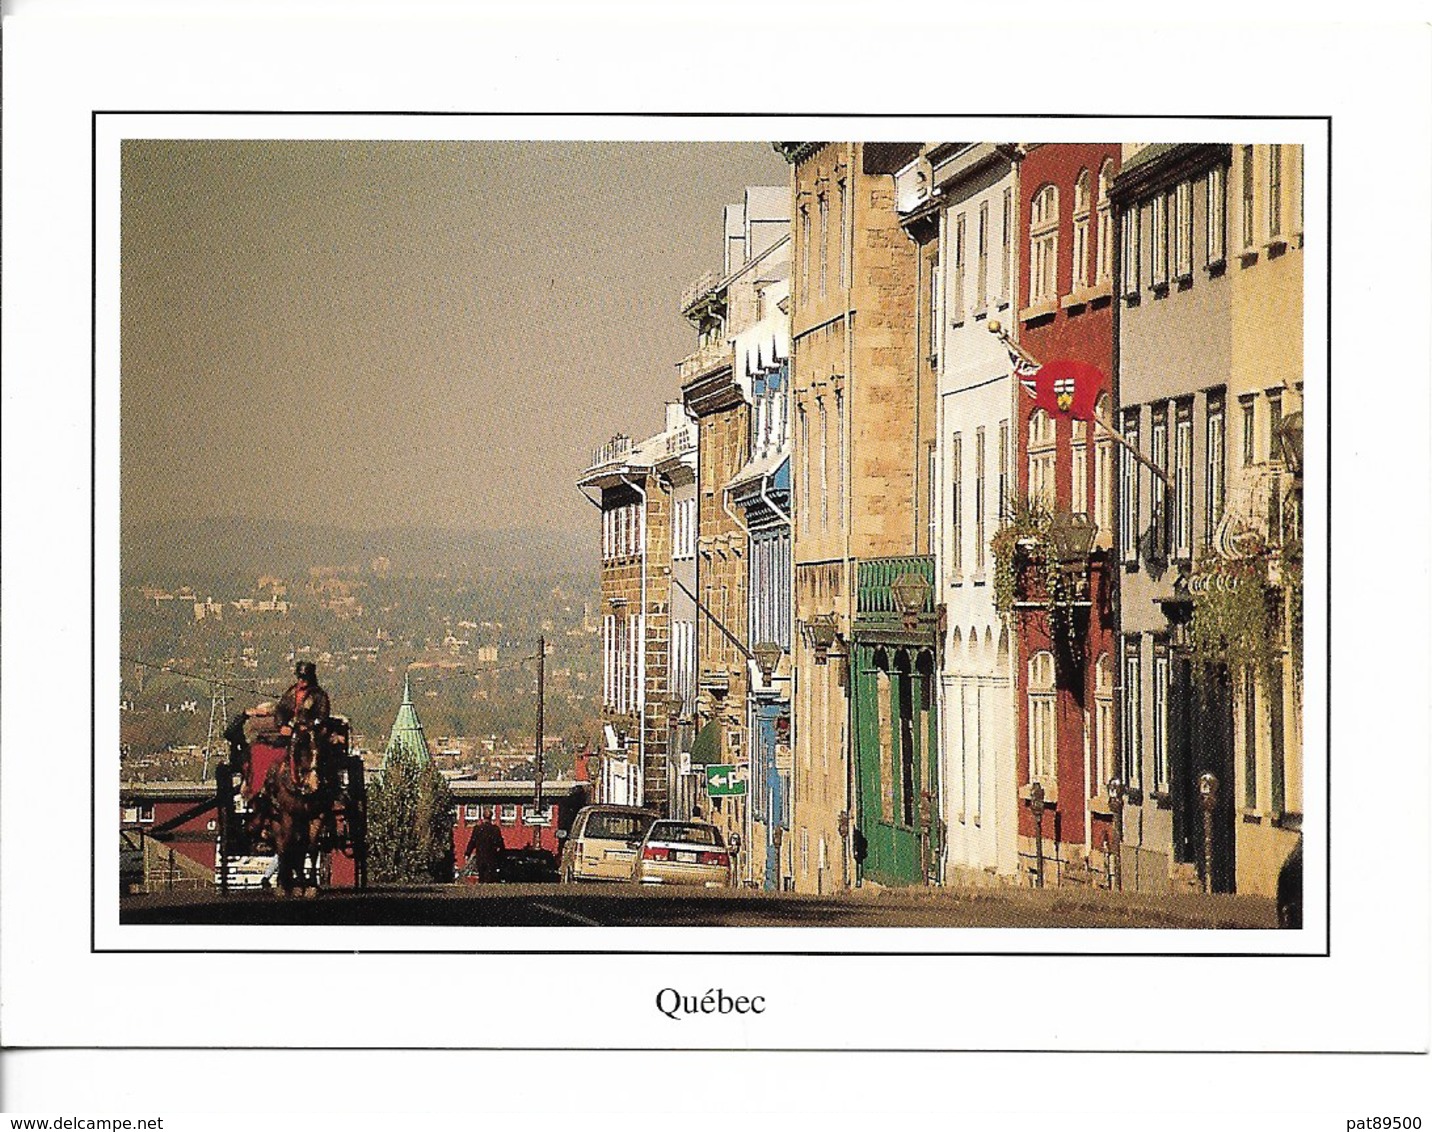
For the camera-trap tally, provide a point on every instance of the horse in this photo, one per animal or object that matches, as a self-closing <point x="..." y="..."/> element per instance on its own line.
<point x="295" y="801"/>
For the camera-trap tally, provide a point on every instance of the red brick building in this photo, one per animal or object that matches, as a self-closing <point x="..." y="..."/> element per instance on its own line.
<point x="511" y="805"/>
<point x="1064" y="673"/>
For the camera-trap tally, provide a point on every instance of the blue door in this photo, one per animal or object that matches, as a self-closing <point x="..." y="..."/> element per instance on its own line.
<point x="771" y="784"/>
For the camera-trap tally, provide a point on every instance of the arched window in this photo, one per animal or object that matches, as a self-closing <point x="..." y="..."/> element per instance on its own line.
<point x="1104" y="260"/>
<point x="1043" y="762"/>
<point x="1041" y="458"/>
<point x="1104" y="719"/>
<point x="1103" y="515"/>
<point x="1081" y="231"/>
<point x="1044" y="245"/>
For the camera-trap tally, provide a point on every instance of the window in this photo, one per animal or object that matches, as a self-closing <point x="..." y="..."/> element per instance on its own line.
<point x="1079" y="467"/>
<point x="1129" y="252"/>
<point x="1041" y="458"/>
<point x="957" y="297"/>
<point x="1250" y="740"/>
<point x="1006" y="245"/>
<point x="1248" y="235"/>
<point x="509" y="815"/>
<point x="804" y="509"/>
<point x="1104" y="264"/>
<point x="472" y="813"/>
<point x="1248" y="407"/>
<point x="1104" y="720"/>
<point x="1183" y="481"/>
<point x="1158" y="272"/>
<point x="840" y="231"/>
<point x="932" y="501"/>
<point x="1275" y="191"/>
<point x="608" y="659"/>
<point x="1161" y="717"/>
<point x="1131" y="716"/>
<point x="1103" y="472"/>
<point x="823" y="205"/>
<point x="957" y="532"/>
<point x="1182" y="226"/>
<point x="1002" y="485"/>
<point x="805" y="253"/>
<point x="1044" y="245"/>
<point x="934" y="307"/>
<point x="979" y="502"/>
<point x="1129" y="491"/>
<point x="1217" y="202"/>
<point x="982" y="246"/>
<point x="1043" y="748"/>
<point x="1275" y="423"/>
<point x="840" y="457"/>
<point x="1081" y="231"/>
<point x="1158" y="488"/>
<point x="824" y="464"/>
<point x="1213" y="469"/>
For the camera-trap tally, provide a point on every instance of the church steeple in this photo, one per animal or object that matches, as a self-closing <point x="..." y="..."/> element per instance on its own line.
<point x="407" y="733"/>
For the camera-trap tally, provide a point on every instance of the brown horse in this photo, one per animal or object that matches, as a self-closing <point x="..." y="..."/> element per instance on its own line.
<point x="295" y="801"/>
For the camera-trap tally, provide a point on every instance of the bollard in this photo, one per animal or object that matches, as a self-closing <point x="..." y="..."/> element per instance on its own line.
<point x="1208" y="796"/>
<point x="1036" y="807"/>
<point x="1116" y="807"/>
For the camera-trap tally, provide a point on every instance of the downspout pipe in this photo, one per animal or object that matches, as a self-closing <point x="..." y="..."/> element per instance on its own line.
<point x="641" y="653"/>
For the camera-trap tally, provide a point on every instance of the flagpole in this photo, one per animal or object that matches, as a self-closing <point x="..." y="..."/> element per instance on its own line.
<point x="1014" y="348"/>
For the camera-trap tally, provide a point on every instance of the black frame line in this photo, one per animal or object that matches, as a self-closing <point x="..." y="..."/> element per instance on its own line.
<point x="95" y="115"/>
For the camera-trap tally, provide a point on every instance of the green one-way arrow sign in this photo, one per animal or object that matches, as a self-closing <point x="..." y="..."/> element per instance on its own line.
<point x="723" y="781"/>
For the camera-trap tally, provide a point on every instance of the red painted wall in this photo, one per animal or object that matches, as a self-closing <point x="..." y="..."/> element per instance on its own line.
<point x="1084" y="334"/>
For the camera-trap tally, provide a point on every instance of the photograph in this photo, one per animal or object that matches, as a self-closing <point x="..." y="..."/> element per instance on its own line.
<point x="715" y="534"/>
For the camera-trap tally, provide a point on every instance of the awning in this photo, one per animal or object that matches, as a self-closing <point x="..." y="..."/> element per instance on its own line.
<point x="706" y="747"/>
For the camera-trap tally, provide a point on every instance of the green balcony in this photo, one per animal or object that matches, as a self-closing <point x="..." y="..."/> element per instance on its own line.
<point x="896" y="595"/>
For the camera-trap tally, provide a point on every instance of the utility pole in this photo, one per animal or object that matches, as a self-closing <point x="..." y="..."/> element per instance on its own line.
<point x="218" y="717"/>
<point x="537" y="784"/>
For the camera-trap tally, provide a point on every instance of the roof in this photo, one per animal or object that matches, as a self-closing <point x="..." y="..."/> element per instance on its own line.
<point x="466" y="789"/>
<point x="407" y="733"/>
<point x="1148" y="153"/>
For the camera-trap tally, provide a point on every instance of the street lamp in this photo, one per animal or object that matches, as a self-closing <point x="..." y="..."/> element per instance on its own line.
<point x="910" y="592"/>
<point x="1071" y="534"/>
<point x="768" y="655"/>
<point x="823" y="632"/>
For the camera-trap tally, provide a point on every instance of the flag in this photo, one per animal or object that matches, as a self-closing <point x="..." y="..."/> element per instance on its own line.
<point x="1062" y="387"/>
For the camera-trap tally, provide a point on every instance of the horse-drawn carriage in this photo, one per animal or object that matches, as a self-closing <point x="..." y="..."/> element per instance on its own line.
<point x="297" y="800"/>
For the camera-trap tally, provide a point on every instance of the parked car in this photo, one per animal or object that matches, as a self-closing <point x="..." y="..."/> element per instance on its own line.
<point x="527" y="866"/>
<point x="1290" y="889"/>
<point x="683" y="852"/>
<point x="603" y="843"/>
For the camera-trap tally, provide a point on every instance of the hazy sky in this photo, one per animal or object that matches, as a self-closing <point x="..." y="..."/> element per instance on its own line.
<point x="381" y="333"/>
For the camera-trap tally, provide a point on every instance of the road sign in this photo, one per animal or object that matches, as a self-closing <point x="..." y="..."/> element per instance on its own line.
<point x="724" y="781"/>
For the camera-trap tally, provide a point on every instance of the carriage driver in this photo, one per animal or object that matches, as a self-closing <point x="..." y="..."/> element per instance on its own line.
<point x="305" y="705"/>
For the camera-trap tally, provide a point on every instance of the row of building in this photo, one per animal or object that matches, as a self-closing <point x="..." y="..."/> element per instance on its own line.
<point x="971" y="550"/>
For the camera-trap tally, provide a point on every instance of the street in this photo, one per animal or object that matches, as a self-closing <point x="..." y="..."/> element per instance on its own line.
<point x="624" y="905"/>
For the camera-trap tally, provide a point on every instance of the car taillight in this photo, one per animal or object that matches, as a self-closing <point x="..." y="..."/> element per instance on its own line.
<point x="715" y="859"/>
<point x="655" y="853"/>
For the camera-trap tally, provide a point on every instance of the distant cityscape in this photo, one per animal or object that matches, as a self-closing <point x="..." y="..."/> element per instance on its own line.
<point x="198" y="646"/>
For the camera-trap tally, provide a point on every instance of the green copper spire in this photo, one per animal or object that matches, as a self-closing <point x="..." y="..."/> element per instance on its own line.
<point x="407" y="733"/>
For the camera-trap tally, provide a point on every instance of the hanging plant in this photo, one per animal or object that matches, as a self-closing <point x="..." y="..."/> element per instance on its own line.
<point x="1023" y="541"/>
<point x="1292" y="563"/>
<point x="1027" y="524"/>
<point x="1235" y="614"/>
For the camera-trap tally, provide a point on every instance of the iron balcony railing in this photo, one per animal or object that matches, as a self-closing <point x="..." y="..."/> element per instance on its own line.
<point x="874" y="576"/>
<point x="696" y="291"/>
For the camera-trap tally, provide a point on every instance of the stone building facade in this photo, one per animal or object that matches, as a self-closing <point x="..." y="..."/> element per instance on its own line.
<point x="854" y="275"/>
